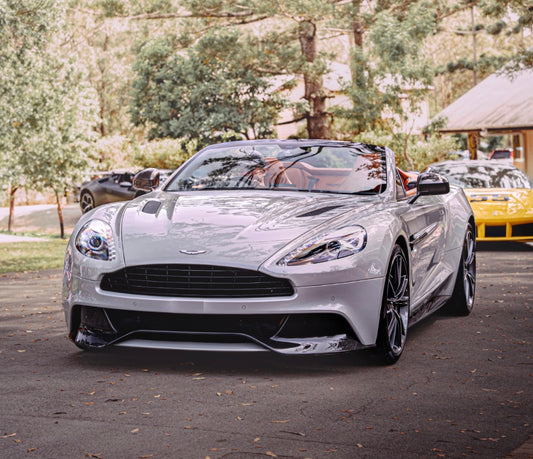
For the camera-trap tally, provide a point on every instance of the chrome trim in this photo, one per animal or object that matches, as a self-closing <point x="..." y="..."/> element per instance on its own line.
<point x="423" y="234"/>
<point x="192" y="346"/>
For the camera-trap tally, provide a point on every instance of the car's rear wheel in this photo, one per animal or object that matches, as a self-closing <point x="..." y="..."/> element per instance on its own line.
<point x="394" y="318"/>
<point x="462" y="300"/>
<point x="86" y="201"/>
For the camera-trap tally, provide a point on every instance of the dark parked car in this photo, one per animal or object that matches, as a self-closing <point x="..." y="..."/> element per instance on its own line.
<point x="502" y="153"/>
<point x="113" y="186"/>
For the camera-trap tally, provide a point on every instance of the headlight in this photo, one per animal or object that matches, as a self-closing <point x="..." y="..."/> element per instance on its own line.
<point x="95" y="240"/>
<point x="327" y="246"/>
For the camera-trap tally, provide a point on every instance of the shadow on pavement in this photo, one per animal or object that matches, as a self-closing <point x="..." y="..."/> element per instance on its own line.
<point x="264" y="363"/>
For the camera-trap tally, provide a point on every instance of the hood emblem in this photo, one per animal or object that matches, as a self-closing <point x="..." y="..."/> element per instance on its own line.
<point x="193" y="252"/>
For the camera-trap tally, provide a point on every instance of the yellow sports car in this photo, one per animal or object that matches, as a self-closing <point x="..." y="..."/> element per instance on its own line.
<point x="501" y="197"/>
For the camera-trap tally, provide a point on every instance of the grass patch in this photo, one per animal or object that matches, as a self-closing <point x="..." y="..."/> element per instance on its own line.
<point x="32" y="256"/>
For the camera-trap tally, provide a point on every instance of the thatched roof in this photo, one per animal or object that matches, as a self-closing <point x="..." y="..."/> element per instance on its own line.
<point x="500" y="102"/>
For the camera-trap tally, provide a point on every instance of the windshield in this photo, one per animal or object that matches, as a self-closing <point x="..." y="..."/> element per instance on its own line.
<point x="482" y="176"/>
<point x="328" y="168"/>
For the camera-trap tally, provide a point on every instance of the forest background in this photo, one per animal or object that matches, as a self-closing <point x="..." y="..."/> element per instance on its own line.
<point x="94" y="85"/>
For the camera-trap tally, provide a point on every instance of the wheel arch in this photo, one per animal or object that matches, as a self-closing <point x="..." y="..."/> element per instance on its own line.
<point x="401" y="241"/>
<point x="472" y="221"/>
<point x="404" y="245"/>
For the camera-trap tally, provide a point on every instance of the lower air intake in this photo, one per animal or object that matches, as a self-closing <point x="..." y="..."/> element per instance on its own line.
<point x="523" y="230"/>
<point x="495" y="231"/>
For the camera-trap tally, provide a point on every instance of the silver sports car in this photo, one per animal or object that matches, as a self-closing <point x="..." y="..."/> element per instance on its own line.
<point x="293" y="246"/>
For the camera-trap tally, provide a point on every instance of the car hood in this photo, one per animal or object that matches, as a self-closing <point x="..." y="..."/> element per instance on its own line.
<point x="497" y="204"/>
<point x="236" y="228"/>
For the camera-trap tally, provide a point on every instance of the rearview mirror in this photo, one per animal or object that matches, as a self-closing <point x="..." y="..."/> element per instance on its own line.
<point x="430" y="184"/>
<point x="146" y="180"/>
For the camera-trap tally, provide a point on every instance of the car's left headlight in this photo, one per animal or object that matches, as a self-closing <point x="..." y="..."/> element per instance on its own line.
<point x="95" y="240"/>
<point x="327" y="246"/>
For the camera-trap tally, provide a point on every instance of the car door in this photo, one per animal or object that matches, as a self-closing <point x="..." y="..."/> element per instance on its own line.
<point x="425" y="220"/>
<point x="114" y="191"/>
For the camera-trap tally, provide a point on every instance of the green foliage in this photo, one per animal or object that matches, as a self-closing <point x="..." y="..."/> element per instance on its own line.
<point x="112" y="8"/>
<point x="111" y="153"/>
<point x="47" y="109"/>
<point x="123" y="153"/>
<point x="62" y="133"/>
<point x="412" y="152"/>
<point x="202" y="95"/>
<point x="397" y="40"/>
<point x="388" y="65"/>
<point x="164" y="153"/>
<point x="502" y="38"/>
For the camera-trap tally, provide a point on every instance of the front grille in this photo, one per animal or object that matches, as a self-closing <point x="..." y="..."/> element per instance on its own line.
<point x="523" y="230"/>
<point x="195" y="281"/>
<point x="495" y="231"/>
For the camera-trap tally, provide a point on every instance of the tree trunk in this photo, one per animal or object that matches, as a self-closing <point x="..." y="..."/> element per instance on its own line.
<point x="60" y="215"/>
<point x="12" y="190"/>
<point x="101" y="88"/>
<point x="317" y="118"/>
<point x="358" y="33"/>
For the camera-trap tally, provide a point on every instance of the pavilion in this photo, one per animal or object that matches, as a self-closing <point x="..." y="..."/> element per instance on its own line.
<point x="502" y="104"/>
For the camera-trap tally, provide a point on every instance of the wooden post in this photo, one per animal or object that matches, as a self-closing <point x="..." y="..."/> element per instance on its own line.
<point x="473" y="144"/>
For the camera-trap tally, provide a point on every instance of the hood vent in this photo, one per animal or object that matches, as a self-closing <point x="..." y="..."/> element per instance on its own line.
<point x="151" y="207"/>
<point x="322" y="210"/>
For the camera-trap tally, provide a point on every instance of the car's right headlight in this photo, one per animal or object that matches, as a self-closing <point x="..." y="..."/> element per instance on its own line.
<point x="328" y="246"/>
<point x="95" y="240"/>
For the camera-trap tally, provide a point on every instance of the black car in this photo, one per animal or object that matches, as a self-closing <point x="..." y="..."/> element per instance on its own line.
<point x="502" y="153"/>
<point x="113" y="186"/>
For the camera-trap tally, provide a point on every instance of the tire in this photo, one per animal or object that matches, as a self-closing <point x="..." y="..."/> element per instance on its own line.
<point x="86" y="202"/>
<point x="462" y="300"/>
<point x="394" y="317"/>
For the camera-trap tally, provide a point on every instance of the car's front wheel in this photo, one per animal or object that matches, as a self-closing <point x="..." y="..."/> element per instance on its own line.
<point x="462" y="300"/>
<point x="86" y="201"/>
<point x="394" y="318"/>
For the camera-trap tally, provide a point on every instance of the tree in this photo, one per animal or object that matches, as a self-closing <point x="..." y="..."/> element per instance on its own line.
<point x="46" y="110"/>
<point x="293" y="38"/>
<point x="57" y="150"/>
<point x="286" y="43"/>
<point x="208" y="92"/>
<point x="391" y="76"/>
<point x="480" y="38"/>
<point x="25" y="27"/>
<point x="103" y="45"/>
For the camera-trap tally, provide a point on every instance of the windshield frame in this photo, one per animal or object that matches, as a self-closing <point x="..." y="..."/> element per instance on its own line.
<point x="283" y="155"/>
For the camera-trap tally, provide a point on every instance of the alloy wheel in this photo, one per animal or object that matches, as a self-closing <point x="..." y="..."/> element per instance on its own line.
<point x="397" y="303"/>
<point x="469" y="268"/>
<point x="86" y="202"/>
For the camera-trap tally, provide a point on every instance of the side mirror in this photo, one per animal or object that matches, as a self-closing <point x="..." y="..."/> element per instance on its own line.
<point x="146" y="180"/>
<point x="430" y="184"/>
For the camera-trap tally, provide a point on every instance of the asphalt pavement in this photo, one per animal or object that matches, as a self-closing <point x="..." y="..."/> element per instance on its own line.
<point x="462" y="387"/>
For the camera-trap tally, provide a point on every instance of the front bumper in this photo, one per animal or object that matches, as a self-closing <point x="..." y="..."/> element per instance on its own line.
<point x="317" y="319"/>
